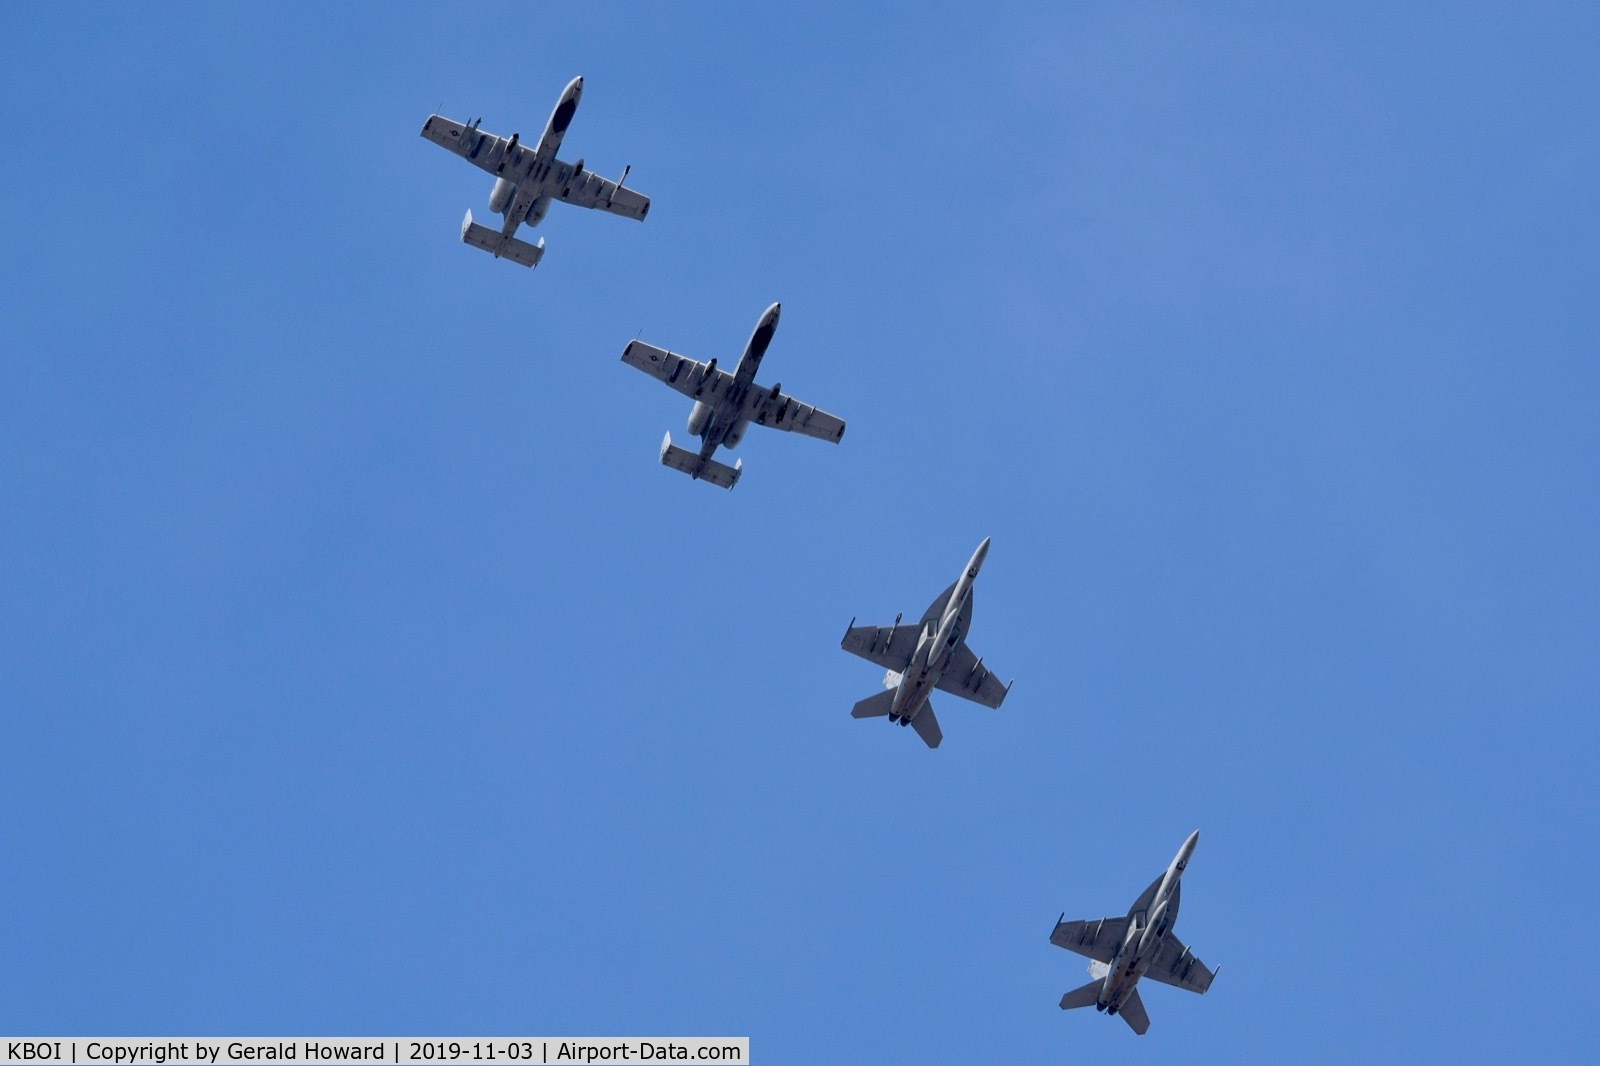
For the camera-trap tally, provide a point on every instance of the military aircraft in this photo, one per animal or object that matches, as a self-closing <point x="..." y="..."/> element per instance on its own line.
<point x="928" y="655"/>
<point x="526" y="180"/>
<point x="1123" y="950"/>
<point x="726" y="404"/>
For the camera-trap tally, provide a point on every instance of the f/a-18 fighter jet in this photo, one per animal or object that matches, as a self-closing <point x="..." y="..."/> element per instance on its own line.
<point x="928" y="655"/>
<point x="726" y="404"/>
<point x="1123" y="950"/>
<point x="527" y="179"/>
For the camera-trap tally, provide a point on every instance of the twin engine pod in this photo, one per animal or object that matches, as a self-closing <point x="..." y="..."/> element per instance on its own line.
<point x="500" y="196"/>
<point x="504" y="195"/>
<point x="700" y="421"/>
<point x="699" y="418"/>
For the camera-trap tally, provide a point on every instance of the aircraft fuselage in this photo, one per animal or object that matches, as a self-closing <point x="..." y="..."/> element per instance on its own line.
<point x="722" y="425"/>
<point x="522" y="200"/>
<point x="943" y="627"/>
<point x="1147" y="930"/>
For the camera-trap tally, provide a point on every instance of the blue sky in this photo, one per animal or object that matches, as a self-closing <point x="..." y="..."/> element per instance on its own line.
<point x="363" y="672"/>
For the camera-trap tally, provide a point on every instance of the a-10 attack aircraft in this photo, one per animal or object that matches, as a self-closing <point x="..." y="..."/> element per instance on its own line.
<point x="1140" y="945"/>
<point x="726" y="404"/>
<point x="527" y="179"/>
<point x="928" y="655"/>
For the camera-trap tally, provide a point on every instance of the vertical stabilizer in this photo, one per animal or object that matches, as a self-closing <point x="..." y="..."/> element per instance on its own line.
<point x="499" y="245"/>
<point x="698" y="467"/>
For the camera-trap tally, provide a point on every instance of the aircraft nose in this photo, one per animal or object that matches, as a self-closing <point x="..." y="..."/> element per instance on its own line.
<point x="976" y="562"/>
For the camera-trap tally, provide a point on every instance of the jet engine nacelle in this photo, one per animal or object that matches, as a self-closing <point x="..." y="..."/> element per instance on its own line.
<point x="500" y="197"/>
<point x="735" y="434"/>
<point x="699" y="418"/>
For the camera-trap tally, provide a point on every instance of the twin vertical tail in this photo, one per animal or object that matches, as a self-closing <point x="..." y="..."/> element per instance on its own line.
<point x="698" y="468"/>
<point x="499" y="245"/>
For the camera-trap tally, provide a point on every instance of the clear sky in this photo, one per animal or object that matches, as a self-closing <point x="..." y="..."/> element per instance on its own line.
<point x="362" y="671"/>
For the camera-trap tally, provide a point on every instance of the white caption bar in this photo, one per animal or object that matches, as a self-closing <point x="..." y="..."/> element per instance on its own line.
<point x="314" y="1050"/>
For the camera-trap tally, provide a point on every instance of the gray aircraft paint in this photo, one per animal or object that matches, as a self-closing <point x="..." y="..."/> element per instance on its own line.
<point x="725" y="404"/>
<point x="930" y="654"/>
<point x="528" y="180"/>
<point x="1139" y="945"/>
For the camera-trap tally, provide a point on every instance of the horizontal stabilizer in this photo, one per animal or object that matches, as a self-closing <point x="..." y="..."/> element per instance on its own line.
<point x="873" y="706"/>
<point x="1132" y="1011"/>
<point x="1087" y="996"/>
<point x="927" y="726"/>
<point x="698" y="468"/>
<point x="500" y="246"/>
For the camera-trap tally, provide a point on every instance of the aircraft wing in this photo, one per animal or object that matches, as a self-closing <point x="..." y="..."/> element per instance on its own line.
<point x="589" y="189"/>
<point x="967" y="677"/>
<point x="484" y="150"/>
<point x="1098" y="940"/>
<point x="891" y="647"/>
<point x="1175" y="965"/>
<point x="695" y="380"/>
<point x="769" y="407"/>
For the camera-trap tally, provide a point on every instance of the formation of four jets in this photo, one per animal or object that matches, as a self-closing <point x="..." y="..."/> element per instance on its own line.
<point x="918" y="658"/>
